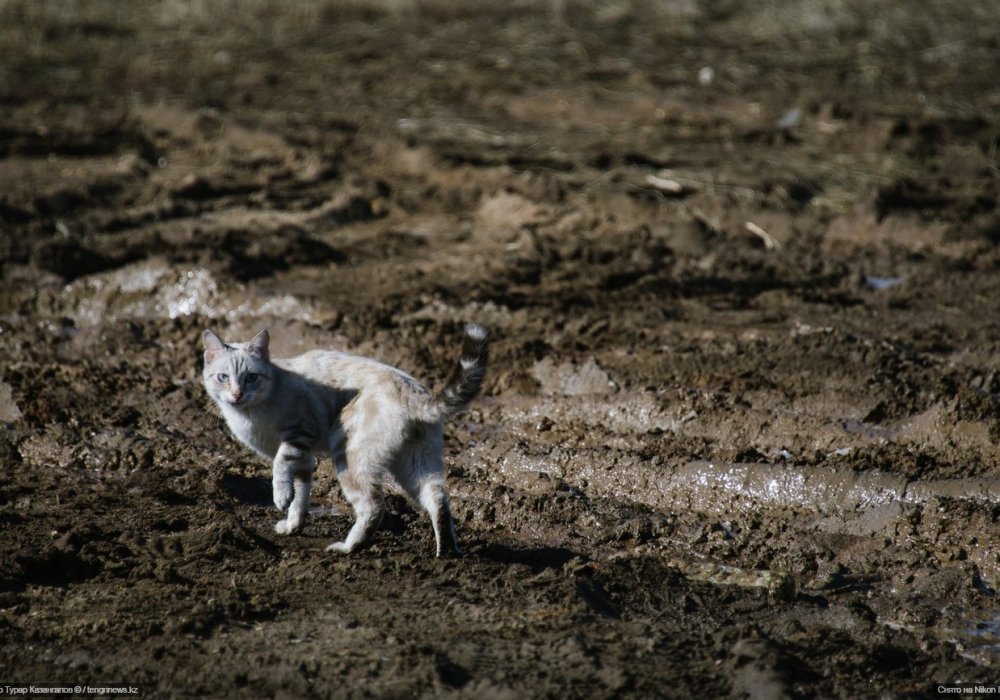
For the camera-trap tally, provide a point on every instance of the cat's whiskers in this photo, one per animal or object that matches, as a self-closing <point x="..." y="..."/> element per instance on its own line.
<point x="211" y="408"/>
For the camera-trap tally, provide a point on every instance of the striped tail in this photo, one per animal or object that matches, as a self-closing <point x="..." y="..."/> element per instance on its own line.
<point x="455" y="397"/>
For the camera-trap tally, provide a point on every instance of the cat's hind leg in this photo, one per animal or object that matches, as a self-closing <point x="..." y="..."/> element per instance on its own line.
<point x="435" y="501"/>
<point x="421" y="474"/>
<point x="363" y="448"/>
<point x="364" y="493"/>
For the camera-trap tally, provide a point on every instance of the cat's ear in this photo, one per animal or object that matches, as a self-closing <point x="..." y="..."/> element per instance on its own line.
<point x="258" y="346"/>
<point x="213" y="346"/>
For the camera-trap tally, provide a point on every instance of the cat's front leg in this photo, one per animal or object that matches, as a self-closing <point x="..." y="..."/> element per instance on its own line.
<point x="299" y="508"/>
<point x="281" y="485"/>
<point x="292" y="463"/>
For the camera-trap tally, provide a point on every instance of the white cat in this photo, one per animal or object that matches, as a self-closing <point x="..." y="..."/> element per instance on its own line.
<point x="372" y="419"/>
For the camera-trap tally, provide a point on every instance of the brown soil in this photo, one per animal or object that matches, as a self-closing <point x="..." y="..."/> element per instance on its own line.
<point x="741" y="269"/>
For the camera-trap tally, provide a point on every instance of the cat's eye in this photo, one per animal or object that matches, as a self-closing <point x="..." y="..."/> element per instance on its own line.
<point x="222" y="378"/>
<point x="250" y="378"/>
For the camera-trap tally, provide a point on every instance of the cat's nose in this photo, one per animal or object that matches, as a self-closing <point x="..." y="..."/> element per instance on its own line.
<point x="237" y="395"/>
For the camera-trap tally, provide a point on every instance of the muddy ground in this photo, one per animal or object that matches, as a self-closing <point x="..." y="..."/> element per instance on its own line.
<point x="740" y="263"/>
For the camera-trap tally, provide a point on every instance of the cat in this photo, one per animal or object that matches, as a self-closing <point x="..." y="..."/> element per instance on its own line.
<point x="372" y="419"/>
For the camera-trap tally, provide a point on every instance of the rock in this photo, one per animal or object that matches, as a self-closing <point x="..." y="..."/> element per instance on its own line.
<point x="572" y="380"/>
<point x="9" y="412"/>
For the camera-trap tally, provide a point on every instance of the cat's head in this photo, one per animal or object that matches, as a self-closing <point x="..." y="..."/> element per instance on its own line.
<point x="239" y="374"/>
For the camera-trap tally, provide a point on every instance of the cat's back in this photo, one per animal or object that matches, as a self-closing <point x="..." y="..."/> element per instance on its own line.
<point x="341" y="370"/>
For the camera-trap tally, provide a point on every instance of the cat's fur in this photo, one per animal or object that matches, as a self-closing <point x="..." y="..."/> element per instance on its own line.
<point x="372" y="419"/>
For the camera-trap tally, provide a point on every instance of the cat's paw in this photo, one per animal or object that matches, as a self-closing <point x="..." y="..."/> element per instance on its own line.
<point x="287" y="526"/>
<point x="339" y="547"/>
<point x="283" y="495"/>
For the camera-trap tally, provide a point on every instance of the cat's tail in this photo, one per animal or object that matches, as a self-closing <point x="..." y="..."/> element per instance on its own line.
<point x="460" y="392"/>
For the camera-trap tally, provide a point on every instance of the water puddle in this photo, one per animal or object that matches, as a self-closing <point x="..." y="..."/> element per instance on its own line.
<point x="977" y="640"/>
<point x="709" y="487"/>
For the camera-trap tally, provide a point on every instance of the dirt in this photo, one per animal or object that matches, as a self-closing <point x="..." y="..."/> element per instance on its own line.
<point x="740" y="263"/>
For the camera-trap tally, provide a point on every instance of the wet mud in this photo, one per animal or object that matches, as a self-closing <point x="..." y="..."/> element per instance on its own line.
<point x="740" y="265"/>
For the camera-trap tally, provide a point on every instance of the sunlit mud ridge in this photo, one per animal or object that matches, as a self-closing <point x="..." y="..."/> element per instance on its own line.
<point x="712" y="488"/>
<point x="768" y="507"/>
